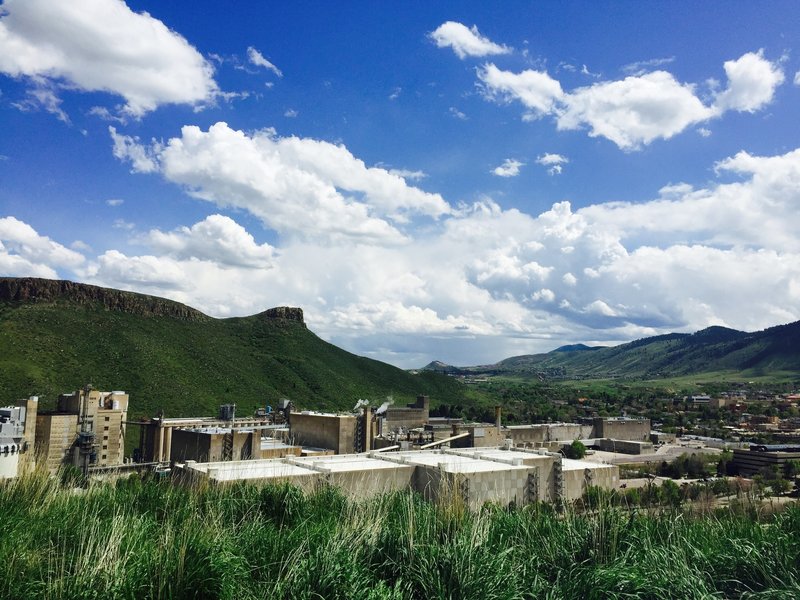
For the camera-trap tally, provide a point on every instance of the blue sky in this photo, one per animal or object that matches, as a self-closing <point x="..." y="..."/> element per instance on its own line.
<point x="455" y="181"/>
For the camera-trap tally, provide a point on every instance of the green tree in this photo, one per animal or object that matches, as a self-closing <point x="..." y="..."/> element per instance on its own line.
<point x="575" y="450"/>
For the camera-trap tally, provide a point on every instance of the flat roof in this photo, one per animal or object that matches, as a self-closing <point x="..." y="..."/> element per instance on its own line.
<point x="251" y="469"/>
<point x="569" y="464"/>
<point x="454" y="463"/>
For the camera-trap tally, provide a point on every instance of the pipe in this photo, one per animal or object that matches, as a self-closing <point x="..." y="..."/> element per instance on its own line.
<point x="449" y="439"/>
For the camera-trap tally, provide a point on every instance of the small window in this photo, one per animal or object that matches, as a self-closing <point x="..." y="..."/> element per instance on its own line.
<point x="104" y="456"/>
<point x="107" y="418"/>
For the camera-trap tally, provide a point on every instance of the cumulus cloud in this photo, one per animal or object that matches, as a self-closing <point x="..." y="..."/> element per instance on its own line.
<point x="256" y="58"/>
<point x="752" y="81"/>
<point x="481" y="283"/>
<point x="635" y="111"/>
<point x="535" y="89"/>
<point x="23" y="252"/>
<point x="297" y="186"/>
<point x="465" y="41"/>
<point x="101" y="45"/>
<point x="642" y="107"/>
<point x="554" y="162"/>
<point x="509" y="168"/>
<point x="128" y="148"/>
<point x="217" y="238"/>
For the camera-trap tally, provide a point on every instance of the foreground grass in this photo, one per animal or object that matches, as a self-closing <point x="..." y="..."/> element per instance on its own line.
<point x="152" y="540"/>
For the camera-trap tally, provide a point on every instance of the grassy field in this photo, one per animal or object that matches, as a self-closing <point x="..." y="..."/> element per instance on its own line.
<point x="148" y="539"/>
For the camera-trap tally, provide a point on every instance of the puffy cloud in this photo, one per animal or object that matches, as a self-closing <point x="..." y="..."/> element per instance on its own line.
<point x="217" y="238"/>
<point x="635" y="111"/>
<point x="297" y="186"/>
<point x="752" y="81"/>
<point x="482" y="282"/>
<point x="128" y="148"/>
<point x="465" y="41"/>
<point x="101" y="45"/>
<point x="23" y="252"/>
<point x="509" y="168"/>
<point x="555" y="162"/>
<point x="535" y="89"/>
<point x="256" y="58"/>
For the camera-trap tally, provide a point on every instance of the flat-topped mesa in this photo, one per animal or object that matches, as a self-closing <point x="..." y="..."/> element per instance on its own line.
<point x="285" y="313"/>
<point x="28" y="290"/>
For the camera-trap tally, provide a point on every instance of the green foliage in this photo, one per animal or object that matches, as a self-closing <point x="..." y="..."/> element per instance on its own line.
<point x="576" y="450"/>
<point x="144" y="538"/>
<point x="191" y="366"/>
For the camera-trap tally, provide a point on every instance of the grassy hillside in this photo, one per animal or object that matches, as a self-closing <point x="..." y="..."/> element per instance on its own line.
<point x="57" y="336"/>
<point x="712" y="350"/>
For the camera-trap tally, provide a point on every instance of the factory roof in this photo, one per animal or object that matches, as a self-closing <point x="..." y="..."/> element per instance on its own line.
<point x="251" y="469"/>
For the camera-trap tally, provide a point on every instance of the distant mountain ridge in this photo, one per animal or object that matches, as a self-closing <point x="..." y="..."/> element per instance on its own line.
<point x="710" y="350"/>
<point x="56" y="336"/>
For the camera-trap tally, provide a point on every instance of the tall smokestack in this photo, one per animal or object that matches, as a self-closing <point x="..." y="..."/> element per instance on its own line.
<point x="498" y="411"/>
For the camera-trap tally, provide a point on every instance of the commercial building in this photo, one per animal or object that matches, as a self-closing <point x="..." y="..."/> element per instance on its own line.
<point x="87" y="428"/>
<point x="773" y="457"/>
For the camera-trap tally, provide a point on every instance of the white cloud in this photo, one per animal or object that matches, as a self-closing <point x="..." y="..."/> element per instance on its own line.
<point x="465" y="41"/>
<point x="395" y="93"/>
<point x="128" y="148"/>
<point x="101" y="45"/>
<point x="297" y="186"/>
<point x="290" y="113"/>
<point x="535" y="89"/>
<point x="555" y="162"/>
<point x="256" y="58"/>
<point x="409" y="174"/>
<point x="634" y="111"/>
<point x="643" y="66"/>
<point x="797" y="78"/>
<point x="479" y="284"/>
<point x="115" y="201"/>
<point x="217" y="238"/>
<point x="704" y="132"/>
<point x="752" y="81"/>
<point x="457" y="113"/>
<point x="23" y="252"/>
<point x="509" y="168"/>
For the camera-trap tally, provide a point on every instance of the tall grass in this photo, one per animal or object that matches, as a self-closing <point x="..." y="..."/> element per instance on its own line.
<point x="149" y="539"/>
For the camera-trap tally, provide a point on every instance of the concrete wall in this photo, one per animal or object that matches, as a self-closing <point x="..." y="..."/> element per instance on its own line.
<point x="622" y="429"/>
<point x="479" y="437"/>
<point x="624" y="446"/>
<point x="577" y="480"/>
<point x="336" y="432"/>
<point x="205" y="446"/>
<point x="412" y="416"/>
<point x="9" y="463"/>
<point x="55" y="436"/>
<point x="538" y="435"/>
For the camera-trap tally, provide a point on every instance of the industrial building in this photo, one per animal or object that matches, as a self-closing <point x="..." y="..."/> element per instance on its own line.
<point x="211" y="439"/>
<point x="87" y="428"/>
<point x="17" y="431"/>
<point x="475" y="476"/>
